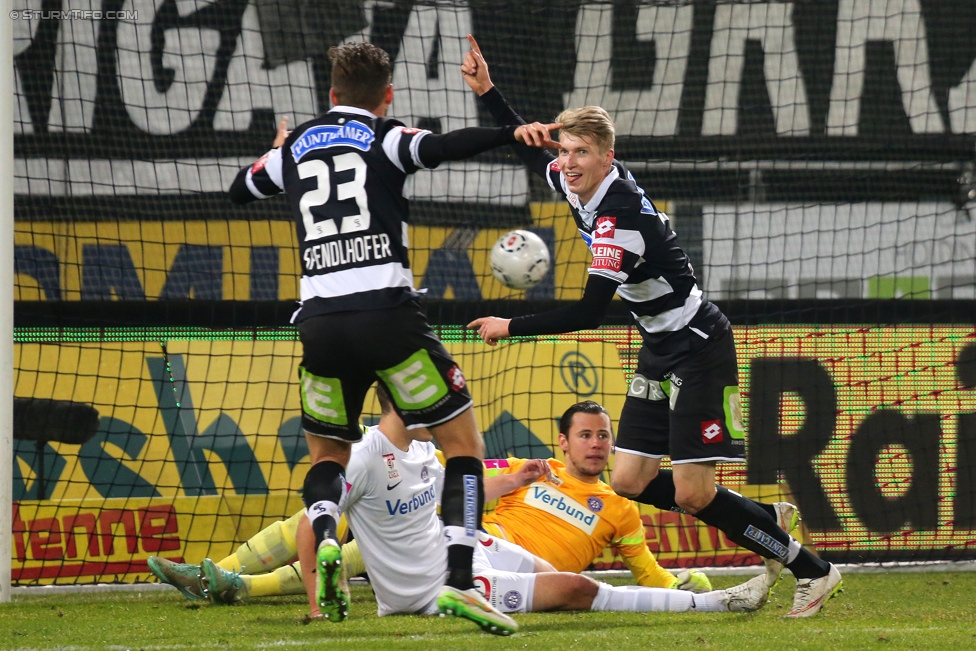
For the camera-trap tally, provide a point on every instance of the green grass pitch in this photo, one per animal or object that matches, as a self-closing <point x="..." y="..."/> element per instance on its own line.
<point x="875" y="611"/>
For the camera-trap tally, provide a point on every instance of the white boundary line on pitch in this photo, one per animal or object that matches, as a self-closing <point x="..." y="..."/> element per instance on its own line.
<point x="845" y="568"/>
<point x="748" y="570"/>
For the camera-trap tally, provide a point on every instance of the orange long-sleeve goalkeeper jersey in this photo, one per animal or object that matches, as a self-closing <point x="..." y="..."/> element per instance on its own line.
<point x="571" y="523"/>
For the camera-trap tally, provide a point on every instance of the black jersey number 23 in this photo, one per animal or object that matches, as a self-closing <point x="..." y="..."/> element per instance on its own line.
<point x="351" y="189"/>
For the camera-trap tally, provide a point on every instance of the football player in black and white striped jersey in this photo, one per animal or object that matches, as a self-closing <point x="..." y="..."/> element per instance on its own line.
<point x="683" y="402"/>
<point x="359" y="320"/>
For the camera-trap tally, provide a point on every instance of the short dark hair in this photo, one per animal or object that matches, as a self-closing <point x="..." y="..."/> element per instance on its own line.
<point x="383" y="396"/>
<point x="361" y="73"/>
<point x="585" y="407"/>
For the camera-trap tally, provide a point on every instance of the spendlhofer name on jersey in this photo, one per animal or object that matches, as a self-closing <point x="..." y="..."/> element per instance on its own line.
<point x="358" y="249"/>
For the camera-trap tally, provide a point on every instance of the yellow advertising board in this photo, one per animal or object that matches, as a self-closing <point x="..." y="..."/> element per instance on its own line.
<point x="258" y="260"/>
<point x="869" y="430"/>
<point x="106" y="540"/>
<point x="873" y="429"/>
<point x="203" y="439"/>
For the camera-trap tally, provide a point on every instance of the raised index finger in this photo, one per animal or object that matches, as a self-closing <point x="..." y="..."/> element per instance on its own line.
<point x="474" y="44"/>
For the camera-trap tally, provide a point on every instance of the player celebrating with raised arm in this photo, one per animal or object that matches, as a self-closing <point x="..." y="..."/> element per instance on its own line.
<point x="684" y="399"/>
<point x="359" y="318"/>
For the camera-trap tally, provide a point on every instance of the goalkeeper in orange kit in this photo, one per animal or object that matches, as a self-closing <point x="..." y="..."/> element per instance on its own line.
<point x="564" y="514"/>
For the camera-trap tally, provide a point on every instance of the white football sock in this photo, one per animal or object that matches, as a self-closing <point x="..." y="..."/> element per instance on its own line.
<point x="712" y="602"/>
<point x="638" y="599"/>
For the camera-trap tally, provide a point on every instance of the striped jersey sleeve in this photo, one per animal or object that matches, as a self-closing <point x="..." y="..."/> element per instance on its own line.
<point x="263" y="178"/>
<point x="555" y="177"/>
<point x="400" y="146"/>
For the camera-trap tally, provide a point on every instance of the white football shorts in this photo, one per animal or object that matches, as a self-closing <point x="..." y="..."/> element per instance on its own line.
<point x="503" y="574"/>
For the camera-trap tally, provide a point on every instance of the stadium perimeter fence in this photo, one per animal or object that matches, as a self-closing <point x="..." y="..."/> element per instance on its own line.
<point x="817" y="161"/>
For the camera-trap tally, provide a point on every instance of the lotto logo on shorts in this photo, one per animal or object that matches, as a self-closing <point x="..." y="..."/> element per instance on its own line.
<point x="605" y="227"/>
<point x="711" y="431"/>
<point x="456" y="378"/>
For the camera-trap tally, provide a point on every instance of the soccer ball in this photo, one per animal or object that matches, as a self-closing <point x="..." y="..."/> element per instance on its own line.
<point x="519" y="259"/>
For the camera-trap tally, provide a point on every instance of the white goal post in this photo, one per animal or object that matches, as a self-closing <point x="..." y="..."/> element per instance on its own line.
<point x="6" y="295"/>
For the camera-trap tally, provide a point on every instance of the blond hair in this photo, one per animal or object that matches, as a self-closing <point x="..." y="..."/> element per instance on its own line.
<point x="590" y="122"/>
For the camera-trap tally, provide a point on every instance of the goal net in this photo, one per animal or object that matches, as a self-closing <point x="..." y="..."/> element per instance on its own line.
<point x="817" y="161"/>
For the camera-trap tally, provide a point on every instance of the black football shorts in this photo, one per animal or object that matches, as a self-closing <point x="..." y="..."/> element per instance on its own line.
<point x="344" y="353"/>
<point x="685" y="405"/>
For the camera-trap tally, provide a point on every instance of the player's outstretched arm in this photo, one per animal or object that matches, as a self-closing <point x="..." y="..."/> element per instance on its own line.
<point x="474" y="70"/>
<point x="434" y="149"/>
<point x="584" y="314"/>
<point x="262" y="179"/>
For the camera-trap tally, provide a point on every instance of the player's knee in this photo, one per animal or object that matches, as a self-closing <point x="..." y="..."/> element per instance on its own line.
<point x="584" y="591"/>
<point x="625" y="485"/>
<point x="323" y="483"/>
<point x="692" y="499"/>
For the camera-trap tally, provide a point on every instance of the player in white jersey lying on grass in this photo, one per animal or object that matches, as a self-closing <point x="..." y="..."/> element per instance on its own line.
<point x="391" y="503"/>
<point x="260" y="566"/>
<point x="585" y="436"/>
<point x="394" y="482"/>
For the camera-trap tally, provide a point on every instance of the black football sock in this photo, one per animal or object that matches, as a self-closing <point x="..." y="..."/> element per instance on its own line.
<point x="750" y="526"/>
<point x="808" y="566"/>
<point x="321" y="495"/>
<point x="746" y="524"/>
<point x="659" y="493"/>
<point x="461" y="507"/>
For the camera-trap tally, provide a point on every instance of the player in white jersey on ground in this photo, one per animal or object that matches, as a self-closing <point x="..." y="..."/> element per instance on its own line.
<point x="394" y="483"/>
